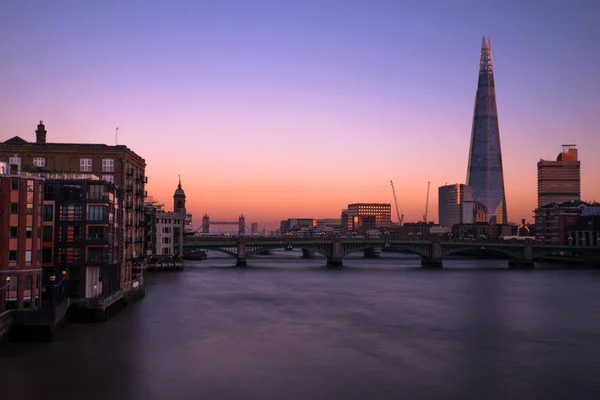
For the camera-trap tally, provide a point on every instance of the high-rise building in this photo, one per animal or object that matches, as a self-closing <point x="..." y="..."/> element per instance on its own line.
<point x="560" y="181"/>
<point x="455" y="205"/>
<point x="363" y="216"/>
<point x="484" y="173"/>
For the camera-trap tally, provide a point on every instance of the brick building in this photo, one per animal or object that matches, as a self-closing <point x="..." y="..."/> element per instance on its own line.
<point x="85" y="217"/>
<point x="20" y="222"/>
<point x="115" y="164"/>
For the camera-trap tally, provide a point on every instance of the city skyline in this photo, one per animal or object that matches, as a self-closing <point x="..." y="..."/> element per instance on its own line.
<point x="297" y="110"/>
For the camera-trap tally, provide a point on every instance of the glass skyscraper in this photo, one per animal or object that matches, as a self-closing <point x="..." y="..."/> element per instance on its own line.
<point x="484" y="173"/>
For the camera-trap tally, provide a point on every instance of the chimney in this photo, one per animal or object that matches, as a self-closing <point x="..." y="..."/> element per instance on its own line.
<point x="40" y="133"/>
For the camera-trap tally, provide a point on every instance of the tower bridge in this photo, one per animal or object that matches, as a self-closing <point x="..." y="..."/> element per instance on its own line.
<point x="522" y="254"/>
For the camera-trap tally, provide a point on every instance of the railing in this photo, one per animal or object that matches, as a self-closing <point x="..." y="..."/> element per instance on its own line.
<point x="98" y="259"/>
<point x="100" y="237"/>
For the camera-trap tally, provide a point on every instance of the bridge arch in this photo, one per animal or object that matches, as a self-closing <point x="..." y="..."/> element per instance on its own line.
<point x="508" y="253"/>
<point x="217" y="249"/>
<point x="405" y="248"/>
<point x="283" y="246"/>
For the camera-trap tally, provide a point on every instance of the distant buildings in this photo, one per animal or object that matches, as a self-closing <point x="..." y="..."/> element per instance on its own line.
<point x="368" y="216"/>
<point x="560" y="181"/>
<point x="455" y="204"/>
<point x="553" y="221"/>
<point x="484" y="173"/>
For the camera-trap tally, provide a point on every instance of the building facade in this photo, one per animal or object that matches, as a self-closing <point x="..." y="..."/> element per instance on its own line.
<point x="484" y="173"/>
<point x="553" y="221"/>
<point x="114" y="164"/>
<point x="20" y="242"/>
<point x="560" y="181"/>
<point x="86" y="218"/>
<point x="367" y="216"/>
<point x="455" y="205"/>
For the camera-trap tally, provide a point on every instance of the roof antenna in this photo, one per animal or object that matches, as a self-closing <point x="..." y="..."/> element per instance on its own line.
<point x="117" y="136"/>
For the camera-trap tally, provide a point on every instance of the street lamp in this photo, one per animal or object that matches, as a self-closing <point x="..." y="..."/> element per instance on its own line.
<point x="7" y="288"/>
<point x="52" y="279"/>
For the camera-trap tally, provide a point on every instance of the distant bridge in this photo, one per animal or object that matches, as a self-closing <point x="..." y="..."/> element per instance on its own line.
<point x="432" y="252"/>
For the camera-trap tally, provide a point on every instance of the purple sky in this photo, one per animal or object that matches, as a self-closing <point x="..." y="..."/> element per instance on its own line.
<point x="280" y="109"/>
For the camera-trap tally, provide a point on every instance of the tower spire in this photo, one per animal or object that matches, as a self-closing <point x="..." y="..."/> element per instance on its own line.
<point x="179" y="186"/>
<point x="485" y="65"/>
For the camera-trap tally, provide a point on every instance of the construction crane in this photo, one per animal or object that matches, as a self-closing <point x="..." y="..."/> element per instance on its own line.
<point x="426" y="203"/>
<point x="400" y="218"/>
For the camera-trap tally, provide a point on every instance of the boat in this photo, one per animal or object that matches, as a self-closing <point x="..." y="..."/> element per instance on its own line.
<point x="195" y="255"/>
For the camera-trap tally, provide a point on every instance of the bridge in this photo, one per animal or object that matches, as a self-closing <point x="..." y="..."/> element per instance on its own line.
<point x="432" y="252"/>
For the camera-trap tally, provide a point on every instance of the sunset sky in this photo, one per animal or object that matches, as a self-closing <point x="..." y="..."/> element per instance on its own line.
<point x="281" y="109"/>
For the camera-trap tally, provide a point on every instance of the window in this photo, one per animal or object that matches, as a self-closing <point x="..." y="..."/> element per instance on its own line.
<point x="47" y="255"/>
<point x="108" y="165"/>
<point x="29" y="185"/>
<point x="14" y="208"/>
<point x="29" y="209"/>
<point x="108" y="178"/>
<point x="47" y="233"/>
<point x="12" y="256"/>
<point x="166" y="240"/>
<point x="14" y="183"/>
<point x="13" y="232"/>
<point x="28" y="256"/>
<point x="97" y="213"/>
<point x="166" y="229"/>
<point x="16" y="160"/>
<point x="48" y="212"/>
<point x="28" y="232"/>
<point x="85" y="164"/>
<point x="39" y="162"/>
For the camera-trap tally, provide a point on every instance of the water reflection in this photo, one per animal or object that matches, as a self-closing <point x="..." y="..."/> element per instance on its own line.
<point x="288" y="328"/>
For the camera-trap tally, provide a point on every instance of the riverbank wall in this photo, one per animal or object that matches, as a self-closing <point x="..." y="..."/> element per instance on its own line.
<point x="42" y="325"/>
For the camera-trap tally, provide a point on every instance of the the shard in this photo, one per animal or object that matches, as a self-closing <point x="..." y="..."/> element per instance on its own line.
<point x="484" y="173"/>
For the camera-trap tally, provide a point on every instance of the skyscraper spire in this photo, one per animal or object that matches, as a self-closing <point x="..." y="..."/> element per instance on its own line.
<point x="484" y="173"/>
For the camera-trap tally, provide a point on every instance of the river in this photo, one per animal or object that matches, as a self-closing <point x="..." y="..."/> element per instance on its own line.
<point x="287" y="328"/>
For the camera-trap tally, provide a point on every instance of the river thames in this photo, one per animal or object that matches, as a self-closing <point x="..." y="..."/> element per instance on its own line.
<point x="287" y="328"/>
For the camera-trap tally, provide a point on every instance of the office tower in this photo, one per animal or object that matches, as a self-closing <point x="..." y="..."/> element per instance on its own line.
<point x="484" y="173"/>
<point x="455" y="204"/>
<point x="560" y="181"/>
<point x="362" y="216"/>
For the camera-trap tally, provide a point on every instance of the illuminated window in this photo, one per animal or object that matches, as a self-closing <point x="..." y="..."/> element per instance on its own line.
<point x="39" y="162"/>
<point x="108" y="178"/>
<point x="16" y="160"/>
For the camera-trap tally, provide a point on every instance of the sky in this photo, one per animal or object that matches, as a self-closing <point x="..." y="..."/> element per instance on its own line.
<point x="291" y="109"/>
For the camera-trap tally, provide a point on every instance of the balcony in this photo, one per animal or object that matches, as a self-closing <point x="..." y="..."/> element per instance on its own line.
<point x="98" y="197"/>
<point x="129" y="172"/>
<point x="100" y="238"/>
<point x="99" y="259"/>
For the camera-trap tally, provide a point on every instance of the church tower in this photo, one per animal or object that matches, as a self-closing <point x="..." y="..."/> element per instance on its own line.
<point x="179" y="199"/>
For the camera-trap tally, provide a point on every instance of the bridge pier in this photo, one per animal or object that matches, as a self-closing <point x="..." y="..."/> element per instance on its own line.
<point x="431" y="263"/>
<point x="241" y="254"/>
<point x="335" y="260"/>
<point x="527" y="260"/>
<point x="372" y="253"/>
<point x="435" y="261"/>
<point x="307" y="253"/>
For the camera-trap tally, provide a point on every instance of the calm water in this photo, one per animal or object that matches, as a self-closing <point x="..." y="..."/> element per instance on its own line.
<point x="286" y="328"/>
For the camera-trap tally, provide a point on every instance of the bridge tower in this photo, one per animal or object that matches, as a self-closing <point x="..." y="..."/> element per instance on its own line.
<point x="242" y="225"/>
<point x="179" y="199"/>
<point x="205" y="224"/>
